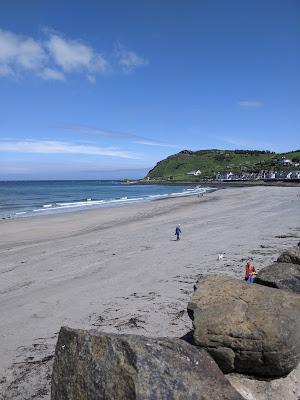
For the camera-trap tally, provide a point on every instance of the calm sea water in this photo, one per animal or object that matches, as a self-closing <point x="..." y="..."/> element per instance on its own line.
<point x="25" y="198"/>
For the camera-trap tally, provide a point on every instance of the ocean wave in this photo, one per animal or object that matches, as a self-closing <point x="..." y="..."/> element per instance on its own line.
<point x="90" y="203"/>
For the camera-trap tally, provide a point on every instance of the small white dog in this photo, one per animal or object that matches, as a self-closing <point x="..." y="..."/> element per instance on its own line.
<point x="220" y="257"/>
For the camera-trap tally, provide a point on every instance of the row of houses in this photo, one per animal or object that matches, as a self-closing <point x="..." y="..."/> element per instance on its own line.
<point x="262" y="175"/>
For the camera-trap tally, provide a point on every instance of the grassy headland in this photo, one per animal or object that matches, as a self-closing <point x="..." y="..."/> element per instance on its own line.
<point x="210" y="162"/>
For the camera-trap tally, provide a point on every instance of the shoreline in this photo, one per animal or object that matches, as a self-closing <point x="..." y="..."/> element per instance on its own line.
<point x="120" y="269"/>
<point x="53" y="207"/>
<point x="241" y="183"/>
<point x="80" y="205"/>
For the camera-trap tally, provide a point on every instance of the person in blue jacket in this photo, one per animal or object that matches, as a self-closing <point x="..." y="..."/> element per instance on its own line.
<point x="178" y="231"/>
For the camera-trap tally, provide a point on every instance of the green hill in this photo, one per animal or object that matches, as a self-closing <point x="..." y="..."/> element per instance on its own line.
<point x="210" y="162"/>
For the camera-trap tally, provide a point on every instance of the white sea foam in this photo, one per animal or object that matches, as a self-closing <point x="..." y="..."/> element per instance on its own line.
<point x="125" y="199"/>
<point x="153" y="196"/>
<point x="89" y="203"/>
<point x="46" y="202"/>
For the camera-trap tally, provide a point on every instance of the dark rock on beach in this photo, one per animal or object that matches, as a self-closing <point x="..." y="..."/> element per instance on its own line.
<point x="247" y="328"/>
<point x="280" y="275"/>
<point x="292" y="255"/>
<point x="283" y="274"/>
<point x="91" y="365"/>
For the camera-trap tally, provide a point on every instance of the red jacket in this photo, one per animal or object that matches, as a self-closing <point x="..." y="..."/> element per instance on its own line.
<point x="250" y="270"/>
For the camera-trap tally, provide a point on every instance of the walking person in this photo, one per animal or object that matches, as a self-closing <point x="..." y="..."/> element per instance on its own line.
<point x="178" y="231"/>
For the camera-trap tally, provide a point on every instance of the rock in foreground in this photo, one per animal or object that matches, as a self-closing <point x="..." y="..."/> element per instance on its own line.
<point x="251" y="329"/>
<point x="96" y="366"/>
<point x="292" y="255"/>
<point x="280" y="275"/>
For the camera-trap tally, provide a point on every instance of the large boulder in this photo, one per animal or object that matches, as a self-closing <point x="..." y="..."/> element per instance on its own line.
<point x="96" y="366"/>
<point x="247" y="328"/>
<point x="280" y="275"/>
<point x="292" y="255"/>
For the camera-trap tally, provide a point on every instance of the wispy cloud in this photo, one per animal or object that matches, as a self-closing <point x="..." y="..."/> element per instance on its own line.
<point x="115" y="135"/>
<point x="55" y="56"/>
<point x="250" y="104"/>
<point x="96" y="168"/>
<point x="128" y="59"/>
<point x="57" y="147"/>
<point x="149" y="142"/>
<point x="244" y="142"/>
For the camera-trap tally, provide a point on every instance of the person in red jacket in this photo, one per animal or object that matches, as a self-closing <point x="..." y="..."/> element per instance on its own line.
<point x="250" y="272"/>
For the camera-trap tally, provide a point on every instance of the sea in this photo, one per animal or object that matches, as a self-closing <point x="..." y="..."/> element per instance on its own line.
<point x="20" y="199"/>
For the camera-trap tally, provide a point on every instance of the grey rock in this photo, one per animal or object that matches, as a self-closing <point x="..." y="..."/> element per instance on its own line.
<point x="286" y="388"/>
<point x="292" y="255"/>
<point x="90" y="365"/>
<point x="247" y="328"/>
<point x="280" y="275"/>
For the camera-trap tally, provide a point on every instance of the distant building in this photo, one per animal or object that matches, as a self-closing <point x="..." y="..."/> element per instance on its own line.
<point x="293" y="175"/>
<point x="223" y="176"/>
<point x="194" y="173"/>
<point x="228" y="176"/>
<point x="247" y="176"/>
<point x="285" y="161"/>
<point x="281" y="175"/>
<point x="270" y="175"/>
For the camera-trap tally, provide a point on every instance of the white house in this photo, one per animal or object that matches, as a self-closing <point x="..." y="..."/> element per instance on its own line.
<point x="194" y="173"/>
<point x="228" y="176"/>
<point x="270" y="175"/>
<point x="281" y="175"/>
<point x="285" y="161"/>
<point x="224" y="176"/>
<point x="293" y="175"/>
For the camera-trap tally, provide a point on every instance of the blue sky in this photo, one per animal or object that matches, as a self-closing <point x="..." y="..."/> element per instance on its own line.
<point x="94" y="89"/>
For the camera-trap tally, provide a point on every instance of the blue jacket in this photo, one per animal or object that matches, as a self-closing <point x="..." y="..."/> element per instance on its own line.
<point x="178" y="230"/>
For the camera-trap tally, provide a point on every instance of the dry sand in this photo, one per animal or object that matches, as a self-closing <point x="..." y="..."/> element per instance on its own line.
<point x="120" y="269"/>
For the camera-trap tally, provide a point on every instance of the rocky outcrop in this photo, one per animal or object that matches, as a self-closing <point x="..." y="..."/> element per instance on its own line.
<point x="283" y="274"/>
<point x="90" y="366"/>
<point x="292" y="255"/>
<point x="251" y="329"/>
<point x="280" y="275"/>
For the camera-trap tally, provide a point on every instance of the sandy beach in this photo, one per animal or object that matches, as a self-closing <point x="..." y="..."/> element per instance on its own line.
<point x="120" y="269"/>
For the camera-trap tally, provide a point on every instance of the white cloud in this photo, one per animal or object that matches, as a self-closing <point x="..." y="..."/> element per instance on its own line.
<point x="154" y="143"/>
<point x="250" y="104"/>
<point x="115" y="135"/>
<point x="56" y="147"/>
<point x="55" y="56"/>
<point x="18" y="52"/>
<point x="244" y="142"/>
<point x="71" y="55"/>
<point x="91" y="78"/>
<point x="128" y="59"/>
<point x="49" y="73"/>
